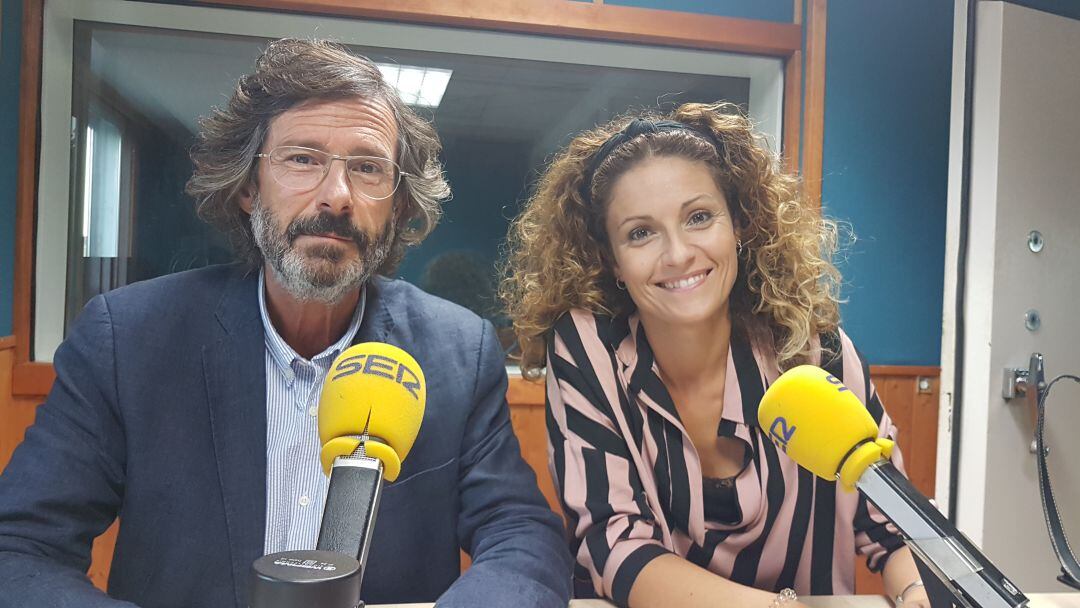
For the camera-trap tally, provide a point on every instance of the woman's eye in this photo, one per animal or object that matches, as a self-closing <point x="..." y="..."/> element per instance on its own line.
<point x="699" y="217"/>
<point x="638" y="234"/>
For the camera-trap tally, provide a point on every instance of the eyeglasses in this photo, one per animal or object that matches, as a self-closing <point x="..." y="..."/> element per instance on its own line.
<point x="300" y="168"/>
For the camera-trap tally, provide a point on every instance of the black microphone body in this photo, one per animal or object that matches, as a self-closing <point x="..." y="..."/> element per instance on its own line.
<point x="955" y="561"/>
<point x="352" y="502"/>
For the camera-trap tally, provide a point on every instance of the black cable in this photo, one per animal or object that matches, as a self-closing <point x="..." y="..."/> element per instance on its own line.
<point x="961" y="262"/>
<point x="1070" y="569"/>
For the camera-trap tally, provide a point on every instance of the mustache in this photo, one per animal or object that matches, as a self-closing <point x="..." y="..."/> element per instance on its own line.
<point x="327" y="223"/>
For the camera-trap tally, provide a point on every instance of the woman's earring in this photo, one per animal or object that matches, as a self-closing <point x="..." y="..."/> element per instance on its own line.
<point x="738" y="246"/>
<point x="620" y="284"/>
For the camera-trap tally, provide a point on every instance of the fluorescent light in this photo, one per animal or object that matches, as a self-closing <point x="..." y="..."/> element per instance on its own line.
<point x="88" y="188"/>
<point x="418" y="86"/>
<point x="433" y="87"/>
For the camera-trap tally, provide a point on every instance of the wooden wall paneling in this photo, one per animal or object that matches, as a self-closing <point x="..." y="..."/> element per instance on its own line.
<point x="561" y="18"/>
<point x="33" y="379"/>
<point x="26" y="176"/>
<point x="530" y="427"/>
<point x="101" y="556"/>
<point x="792" y="121"/>
<point x="814" y="110"/>
<point x="10" y="430"/>
<point x="18" y="415"/>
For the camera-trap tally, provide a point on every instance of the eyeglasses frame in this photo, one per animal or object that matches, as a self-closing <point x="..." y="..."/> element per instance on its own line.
<point x="331" y="158"/>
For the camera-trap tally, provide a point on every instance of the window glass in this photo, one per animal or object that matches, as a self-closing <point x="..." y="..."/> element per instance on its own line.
<point x="138" y="93"/>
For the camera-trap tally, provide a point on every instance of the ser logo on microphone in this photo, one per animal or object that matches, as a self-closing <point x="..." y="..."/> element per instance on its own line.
<point x="382" y="366"/>
<point x="831" y="379"/>
<point x="781" y="433"/>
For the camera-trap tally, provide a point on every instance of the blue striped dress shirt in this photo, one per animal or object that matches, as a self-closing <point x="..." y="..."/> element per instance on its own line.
<point x="295" y="484"/>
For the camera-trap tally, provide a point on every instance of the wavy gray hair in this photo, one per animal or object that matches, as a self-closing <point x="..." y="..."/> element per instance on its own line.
<point x="288" y="73"/>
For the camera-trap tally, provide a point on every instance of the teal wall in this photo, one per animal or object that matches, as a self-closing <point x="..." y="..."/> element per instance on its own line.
<point x="888" y="71"/>
<point x="888" y="75"/>
<point x="10" y="53"/>
<point x="885" y="160"/>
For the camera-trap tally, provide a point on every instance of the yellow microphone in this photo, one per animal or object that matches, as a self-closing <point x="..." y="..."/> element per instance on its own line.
<point x="377" y="391"/>
<point x="821" y="425"/>
<point x="370" y="411"/>
<point x="811" y="416"/>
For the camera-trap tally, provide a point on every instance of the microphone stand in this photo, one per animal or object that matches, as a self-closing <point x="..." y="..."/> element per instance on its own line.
<point x="331" y="575"/>
<point x="959" y="568"/>
<point x="352" y="502"/>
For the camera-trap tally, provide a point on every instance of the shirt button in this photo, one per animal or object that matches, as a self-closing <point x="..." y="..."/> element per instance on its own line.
<point x="313" y="411"/>
<point x="304" y="501"/>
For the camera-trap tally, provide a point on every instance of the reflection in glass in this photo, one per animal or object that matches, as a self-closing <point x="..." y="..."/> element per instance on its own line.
<point x="138" y="93"/>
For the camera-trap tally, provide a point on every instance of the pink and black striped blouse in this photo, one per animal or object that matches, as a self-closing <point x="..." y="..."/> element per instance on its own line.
<point x="631" y="483"/>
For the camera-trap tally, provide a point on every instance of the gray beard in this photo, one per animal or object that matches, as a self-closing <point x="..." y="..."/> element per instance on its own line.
<point x="316" y="274"/>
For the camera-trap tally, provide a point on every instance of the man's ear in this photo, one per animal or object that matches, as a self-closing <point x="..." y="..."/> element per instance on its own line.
<point x="246" y="196"/>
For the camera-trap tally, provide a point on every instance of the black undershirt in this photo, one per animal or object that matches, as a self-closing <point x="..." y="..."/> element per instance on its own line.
<point x="721" y="498"/>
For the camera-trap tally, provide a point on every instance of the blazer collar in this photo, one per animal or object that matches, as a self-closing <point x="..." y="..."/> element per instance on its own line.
<point x="380" y="315"/>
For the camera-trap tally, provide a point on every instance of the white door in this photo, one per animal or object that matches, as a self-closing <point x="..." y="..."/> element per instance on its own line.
<point x="1024" y="176"/>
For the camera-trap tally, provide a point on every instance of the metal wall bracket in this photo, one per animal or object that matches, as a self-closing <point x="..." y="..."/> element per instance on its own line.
<point x="1030" y="384"/>
<point x="1018" y="382"/>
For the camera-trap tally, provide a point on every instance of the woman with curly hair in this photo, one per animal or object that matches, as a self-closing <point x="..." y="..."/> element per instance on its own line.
<point x="664" y="273"/>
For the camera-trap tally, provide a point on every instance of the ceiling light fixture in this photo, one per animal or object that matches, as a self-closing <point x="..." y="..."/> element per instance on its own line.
<point x="418" y="86"/>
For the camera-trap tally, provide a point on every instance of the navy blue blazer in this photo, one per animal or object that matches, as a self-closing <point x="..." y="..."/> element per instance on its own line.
<point x="158" y="416"/>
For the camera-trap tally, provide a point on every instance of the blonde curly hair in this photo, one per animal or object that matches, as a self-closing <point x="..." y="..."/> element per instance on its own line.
<point x="559" y="257"/>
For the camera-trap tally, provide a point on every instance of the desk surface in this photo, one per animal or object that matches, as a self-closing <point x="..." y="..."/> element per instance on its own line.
<point x="1038" y="600"/>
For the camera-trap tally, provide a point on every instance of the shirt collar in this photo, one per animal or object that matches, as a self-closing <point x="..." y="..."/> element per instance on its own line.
<point x="284" y="355"/>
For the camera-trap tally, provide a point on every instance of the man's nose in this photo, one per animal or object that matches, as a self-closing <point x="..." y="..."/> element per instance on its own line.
<point x="335" y="192"/>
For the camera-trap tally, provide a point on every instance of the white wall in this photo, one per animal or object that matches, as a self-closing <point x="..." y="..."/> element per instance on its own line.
<point x="1025" y="175"/>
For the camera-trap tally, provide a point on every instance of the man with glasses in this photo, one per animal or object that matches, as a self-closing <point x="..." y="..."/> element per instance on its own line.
<point x="186" y="405"/>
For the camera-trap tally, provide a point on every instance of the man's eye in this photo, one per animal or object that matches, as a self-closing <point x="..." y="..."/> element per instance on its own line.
<point x="367" y="166"/>
<point x="301" y="159"/>
<point x="638" y="234"/>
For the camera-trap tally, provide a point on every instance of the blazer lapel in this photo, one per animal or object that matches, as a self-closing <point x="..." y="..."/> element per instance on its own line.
<point x="235" y="372"/>
<point x="378" y="317"/>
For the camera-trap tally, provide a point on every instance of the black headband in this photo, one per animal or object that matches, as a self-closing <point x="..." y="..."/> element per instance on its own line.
<point x="638" y="126"/>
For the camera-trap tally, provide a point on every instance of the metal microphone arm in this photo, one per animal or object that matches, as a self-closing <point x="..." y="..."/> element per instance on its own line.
<point x="955" y="561"/>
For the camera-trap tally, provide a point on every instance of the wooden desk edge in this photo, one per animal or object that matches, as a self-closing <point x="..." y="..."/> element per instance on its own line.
<point x="1043" y="600"/>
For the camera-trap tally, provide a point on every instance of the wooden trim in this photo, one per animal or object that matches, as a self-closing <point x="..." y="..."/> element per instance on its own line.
<point x="792" y="125"/>
<point x="814" y="117"/>
<point x="30" y="379"/>
<point x="905" y="370"/>
<point x="26" y="177"/>
<point x="796" y="12"/>
<point x="35" y="379"/>
<point x="562" y="18"/>
<point x="7" y="342"/>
